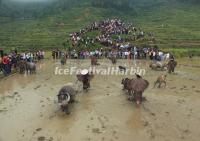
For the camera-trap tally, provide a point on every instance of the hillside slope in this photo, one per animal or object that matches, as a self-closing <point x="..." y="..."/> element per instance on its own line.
<point x="174" y="25"/>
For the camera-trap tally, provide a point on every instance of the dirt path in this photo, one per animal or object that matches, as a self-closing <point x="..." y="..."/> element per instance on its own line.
<point x="28" y="111"/>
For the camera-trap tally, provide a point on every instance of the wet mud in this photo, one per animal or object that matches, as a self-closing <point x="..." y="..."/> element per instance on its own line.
<point x="29" y="112"/>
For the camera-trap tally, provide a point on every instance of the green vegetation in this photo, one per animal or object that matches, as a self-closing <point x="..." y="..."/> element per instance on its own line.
<point x="175" y="26"/>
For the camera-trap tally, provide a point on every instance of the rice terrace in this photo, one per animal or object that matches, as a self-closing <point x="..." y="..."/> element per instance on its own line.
<point x="99" y="70"/>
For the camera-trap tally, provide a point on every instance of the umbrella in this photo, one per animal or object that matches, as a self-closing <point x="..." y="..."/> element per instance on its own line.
<point x="84" y="72"/>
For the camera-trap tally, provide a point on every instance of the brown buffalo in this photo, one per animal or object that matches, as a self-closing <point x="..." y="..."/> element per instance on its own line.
<point x="22" y="66"/>
<point x="122" y="69"/>
<point x="113" y="60"/>
<point x="160" y="80"/>
<point x="136" y="86"/>
<point x="126" y="82"/>
<point x="94" y="61"/>
<point x="171" y="65"/>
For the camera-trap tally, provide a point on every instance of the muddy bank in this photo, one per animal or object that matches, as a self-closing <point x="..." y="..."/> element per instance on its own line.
<point x="28" y="111"/>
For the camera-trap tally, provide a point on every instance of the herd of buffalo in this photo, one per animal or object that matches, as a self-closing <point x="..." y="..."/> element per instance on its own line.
<point x="135" y="86"/>
<point x="24" y="66"/>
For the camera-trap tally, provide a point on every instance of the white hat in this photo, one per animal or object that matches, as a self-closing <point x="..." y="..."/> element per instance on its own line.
<point x="84" y="72"/>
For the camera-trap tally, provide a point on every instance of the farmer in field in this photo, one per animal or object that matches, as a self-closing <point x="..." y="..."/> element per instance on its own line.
<point x="85" y="77"/>
<point x="63" y="59"/>
<point x="54" y="54"/>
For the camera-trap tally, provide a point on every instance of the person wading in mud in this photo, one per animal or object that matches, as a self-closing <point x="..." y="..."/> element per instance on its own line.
<point x="86" y="81"/>
<point x="63" y="59"/>
<point x="85" y="77"/>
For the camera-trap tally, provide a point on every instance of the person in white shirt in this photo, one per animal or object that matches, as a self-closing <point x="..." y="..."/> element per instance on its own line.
<point x="126" y="54"/>
<point x="23" y="56"/>
<point x="43" y="53"/>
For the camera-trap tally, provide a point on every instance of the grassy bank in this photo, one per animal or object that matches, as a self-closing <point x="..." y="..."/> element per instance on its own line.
<point x="176" y="29"/>
<point x="183" y="52"/>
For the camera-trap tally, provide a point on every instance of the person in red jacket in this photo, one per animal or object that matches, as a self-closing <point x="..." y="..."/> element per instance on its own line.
<point x="1" y="64"/>
<point x="6" y="65"/>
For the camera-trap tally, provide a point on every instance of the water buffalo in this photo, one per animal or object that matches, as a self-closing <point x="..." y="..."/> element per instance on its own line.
<point x="158" y="66"/>
<point x="139" y="85"/>
<point x="113" y="59"/>
<point x="85" y="78"/>
<point x="31" y="67"/>
<point x="22" y="66"/>
<point x="136" y="86"/>
<point x="94" y="61"/>
<point x="63" y="60"/>
<point x="126" y="82"/>
<point x="171" y="65"/>
<point x="122" y="69"/>
<point x="66" y="95"/>
<point x="161" y="79"/>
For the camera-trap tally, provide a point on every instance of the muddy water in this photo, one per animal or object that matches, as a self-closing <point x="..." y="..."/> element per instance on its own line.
<point x="28" y="111"/>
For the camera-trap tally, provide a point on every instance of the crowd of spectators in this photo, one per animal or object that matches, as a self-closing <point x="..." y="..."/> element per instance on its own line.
<point x="9" y="61"/>
<point x="130" y="53"/>
<point x="107" y="30"/>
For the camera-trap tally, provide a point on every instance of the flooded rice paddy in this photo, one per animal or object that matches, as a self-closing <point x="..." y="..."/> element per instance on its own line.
<point x="28" y="111"/>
